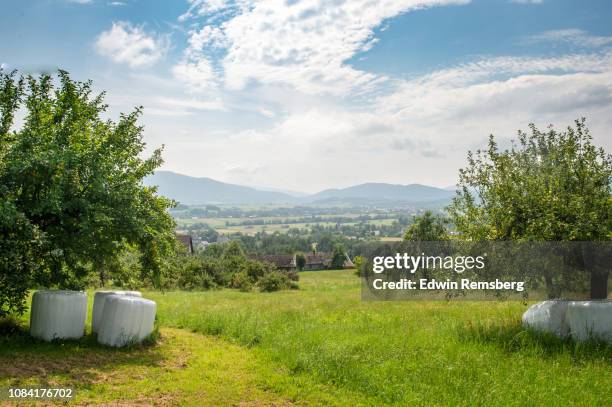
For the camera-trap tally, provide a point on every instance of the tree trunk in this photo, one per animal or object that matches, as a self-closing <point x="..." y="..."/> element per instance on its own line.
<point x="102" y="276"/>
<point x="550" y="291"/>
<point x="599" y="285"/>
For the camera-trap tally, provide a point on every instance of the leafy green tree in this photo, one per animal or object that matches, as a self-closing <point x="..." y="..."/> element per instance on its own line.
<point x="325" y="243"/>
<point x="233" y="249"/>
<point x="550" y="186"/>
<point x="71" y="191"/>
<point x="338" y="257"/>
<point x="427" y="227"/>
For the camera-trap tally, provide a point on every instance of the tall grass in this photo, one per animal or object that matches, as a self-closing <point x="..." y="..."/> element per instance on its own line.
<point x="460" y="353"/>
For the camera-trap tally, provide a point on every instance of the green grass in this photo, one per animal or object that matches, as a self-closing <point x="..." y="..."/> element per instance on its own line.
<point x="274" y="223"/>
<point x="322" y="345"/>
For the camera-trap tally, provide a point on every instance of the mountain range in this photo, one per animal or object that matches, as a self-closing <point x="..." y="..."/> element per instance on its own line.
<point x="196" y="191"/>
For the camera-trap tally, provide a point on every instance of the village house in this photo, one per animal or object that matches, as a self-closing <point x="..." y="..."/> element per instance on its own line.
<point x="280" y="261"/>
<point x="314" y="261"/>
<point x="322" y="261"/>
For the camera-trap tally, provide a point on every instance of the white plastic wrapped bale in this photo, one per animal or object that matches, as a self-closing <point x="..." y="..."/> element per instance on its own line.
<point x="548" y="316"/>
<point x="590" y="319"/>
<point x="98" y="305"/>
<point x="57" y="314"/>
<point x="126" y="320"/>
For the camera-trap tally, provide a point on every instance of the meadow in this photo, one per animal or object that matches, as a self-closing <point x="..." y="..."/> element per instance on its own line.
<point x="321" y="345"/>
<point x="271" y="224"/>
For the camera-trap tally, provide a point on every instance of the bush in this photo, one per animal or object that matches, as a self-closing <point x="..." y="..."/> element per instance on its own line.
<point x="256" y="269"/>
<point x="197" y="273"/>
<point x="224" y="266"/>
<point x="242" y="281"/>
<point x="293" y="275"/>
<point x="274" y="281"/>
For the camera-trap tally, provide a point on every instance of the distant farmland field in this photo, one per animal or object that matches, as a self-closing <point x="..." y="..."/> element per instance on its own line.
<point x="271" y="224"/>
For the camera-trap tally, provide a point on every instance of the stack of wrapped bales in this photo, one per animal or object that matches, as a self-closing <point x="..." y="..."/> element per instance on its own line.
<point x="119" y="317"/>
<point x="582" y="320"/>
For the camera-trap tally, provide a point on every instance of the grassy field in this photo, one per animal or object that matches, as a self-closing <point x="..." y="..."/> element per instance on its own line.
<point x="273" y="223"/>
<point x="322" y="345"/>
<point x="281" y="219"/>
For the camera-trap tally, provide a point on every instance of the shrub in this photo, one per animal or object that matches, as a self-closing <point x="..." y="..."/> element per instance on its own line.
<point x="242" y="281"/>
<point x="293" y="275"/>
<point x="224" y="267"/>
<point x="256" y="269"/>
<point x="197" y="273"/>
<point x="274" y="281"/>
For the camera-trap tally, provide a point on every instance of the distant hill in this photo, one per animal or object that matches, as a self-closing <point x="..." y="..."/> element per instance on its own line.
<point x="197" y="191"/>
<point x="413" y="193"/>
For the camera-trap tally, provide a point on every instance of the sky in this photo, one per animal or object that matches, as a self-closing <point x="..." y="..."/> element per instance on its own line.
<point x="304" y="95"/>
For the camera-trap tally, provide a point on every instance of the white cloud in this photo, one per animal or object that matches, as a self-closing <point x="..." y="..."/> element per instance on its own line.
<point x="572" y="36"/>
<point x="209" y="37"/>
<point x="446" y="90"/>
<point x="205" y="7"/>
<point x="195" y="70"/>
<point x="418" y="133"/>
<point x="131" y="45"/>
<point x="303" y="44"/>
<point x="198" y="75"/>
<point x="527" y="1"/>
<point x="185" y="106"/>
<point x="498" y="83"/>
<point x="266" y="112"/>
<point x="117" y="3"/>
<point x="302" y="128"/>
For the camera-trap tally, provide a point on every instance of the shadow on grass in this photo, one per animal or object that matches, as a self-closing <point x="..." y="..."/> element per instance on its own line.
<point x="24" y="359"/>
<point x="512" y="337"/>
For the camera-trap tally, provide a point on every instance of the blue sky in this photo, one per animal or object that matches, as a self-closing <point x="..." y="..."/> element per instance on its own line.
<point x="306" y="95"/>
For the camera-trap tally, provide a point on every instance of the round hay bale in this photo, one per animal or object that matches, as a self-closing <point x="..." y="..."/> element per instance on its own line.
<point x="548" y="316"/>
<point x="98" y="305"/>
<point x="126" y="320"/>
<point x="58" y="314"/>
<point x="590" y="320"/>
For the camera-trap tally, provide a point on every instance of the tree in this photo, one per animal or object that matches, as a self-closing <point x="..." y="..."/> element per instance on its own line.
<point x="71" y="188"/>
<point x="427" y="227"/>
<point x="551" y="186"/>
<point x="325" y="243"/>
<point x="233" y="249"/>
<point x="338" y="257"/>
